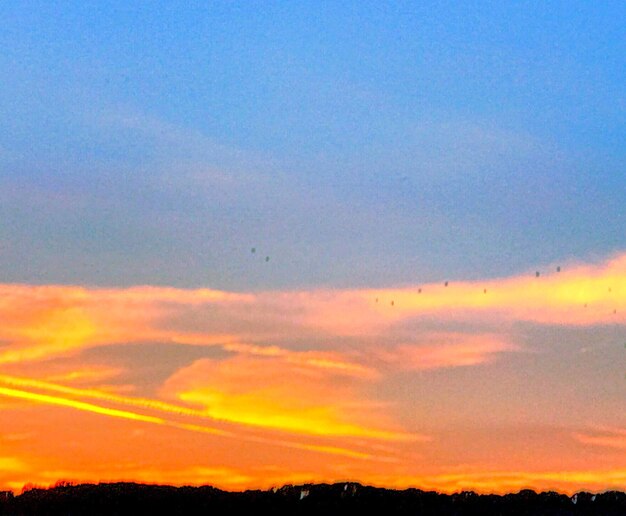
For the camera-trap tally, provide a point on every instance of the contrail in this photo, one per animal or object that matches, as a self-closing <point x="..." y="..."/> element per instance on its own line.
<point x="152" y="405"/>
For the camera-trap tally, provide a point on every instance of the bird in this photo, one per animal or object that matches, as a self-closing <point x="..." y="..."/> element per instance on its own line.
<point x="419" y="290"/>
<point x="267" y="258"/>
<point x="537" y="274"/>
<point x="392" y="303"/>
<point x="253" y="250"/>
<point x="558" y="269"/>
<point x="445" y="284"/>
<point x="484" y="291"/>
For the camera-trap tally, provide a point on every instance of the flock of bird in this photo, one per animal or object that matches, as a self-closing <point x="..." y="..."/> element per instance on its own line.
<point x="446" y="283"/>
<point x="253" y="251"/>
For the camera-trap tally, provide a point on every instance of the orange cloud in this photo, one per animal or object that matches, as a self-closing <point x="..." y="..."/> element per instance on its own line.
<point x="272" y="392"/>
<point x="332" y="361"/>
<point x="604" y="437"/>
<point x="85" y="374"/>
<point x="41" y="322"/>
<point x="445" y="350"/>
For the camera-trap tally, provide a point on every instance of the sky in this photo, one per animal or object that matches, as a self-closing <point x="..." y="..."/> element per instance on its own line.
<point x="257" y="243"/>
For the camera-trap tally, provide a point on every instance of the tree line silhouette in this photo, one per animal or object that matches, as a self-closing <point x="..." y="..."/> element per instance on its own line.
<point x="342" y="498"/>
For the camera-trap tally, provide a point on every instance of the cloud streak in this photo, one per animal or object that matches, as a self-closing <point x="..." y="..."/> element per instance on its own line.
<point x="603" y="437"/>
<point x="41" y="322"/>
<point x="179" y="416"/>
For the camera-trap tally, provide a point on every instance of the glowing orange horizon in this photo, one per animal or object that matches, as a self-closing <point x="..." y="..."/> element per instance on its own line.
<point x="331" y="379"/>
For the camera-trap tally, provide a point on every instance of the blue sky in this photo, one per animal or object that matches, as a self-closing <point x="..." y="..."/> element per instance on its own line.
<point x="361" y="144"/>
<point x="368" y="152"/>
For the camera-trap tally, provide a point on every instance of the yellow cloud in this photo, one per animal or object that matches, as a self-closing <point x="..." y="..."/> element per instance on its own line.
<point x="80" y="405"/>
<point x="272" y="392"/>
<point x="581" y="296"/>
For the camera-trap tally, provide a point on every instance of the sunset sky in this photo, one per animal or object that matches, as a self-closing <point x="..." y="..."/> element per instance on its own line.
<point x="255" y="243"/>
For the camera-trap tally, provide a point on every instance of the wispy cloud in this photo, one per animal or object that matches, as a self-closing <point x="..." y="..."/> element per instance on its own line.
<point x="445" y="350"/>
<point x="603" y="437"/>
<point x="275" y="393"/>
<point x="40" y="322"/>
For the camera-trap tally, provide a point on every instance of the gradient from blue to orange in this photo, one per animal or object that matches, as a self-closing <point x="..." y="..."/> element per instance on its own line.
<point x="370" y="150"/>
